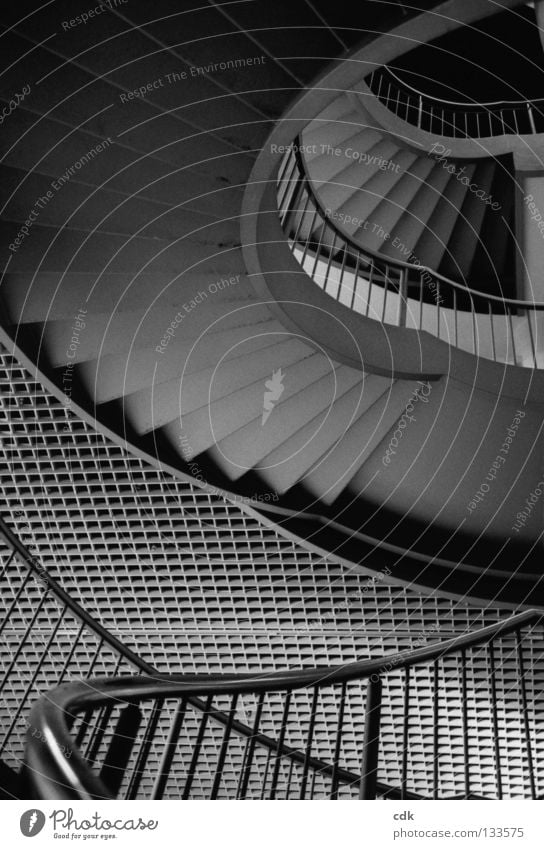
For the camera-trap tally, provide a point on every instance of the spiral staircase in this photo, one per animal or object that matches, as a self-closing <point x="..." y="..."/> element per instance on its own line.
<point x="208" y="351"/>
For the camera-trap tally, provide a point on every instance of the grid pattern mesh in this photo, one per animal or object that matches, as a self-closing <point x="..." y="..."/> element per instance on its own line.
<point x="192" y="583"/>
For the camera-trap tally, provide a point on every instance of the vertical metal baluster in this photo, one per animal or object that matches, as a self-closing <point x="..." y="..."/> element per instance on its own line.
<point x="474" y="330"/>
<point x="307" y="238"/>
<point x="169" y="751"/>
<point x="309" y="741"/>
<point x="525" y="710"/>
<point x="437" y="309"/>
<point x="502" y="122"/>
<point x="496" y="743"/>
<point x="289" y="777"/>
<point x="265" y="779"/>
<point x="436" y="776"/>
<point x="224" y="746"/>
<point x="251" y="751"/>
<point x="312" y="786"/>
<point x="371" y="740"/>
<point x="456" y="317"/>
<point x="301" y="216"/>
<point x="198" y="745"/>
<point x="342" y="271"/>
<point x="284" y="184"/>
<point x="97" y="734"/>
<point x="515" y="117"/>
<point x="281" y="738"/>
<point x="466" y="125"/>
<point x="531" y="117"/>
<point x="145" y="748"/>
<point x="385" y="291"/>
<point x="511" y="325"/>
<point x="318" y="249"/>
<point x="466" y="752"/>
<point x="419" y="112"/>
<point x="242" y="770"/>
<point x="101" y="723"/>
<point x="355" y="280"/>
<point x="380" y="84"/>
<point x="338" y="743"/>
<point x="478" y="135"/>
<point x="370" y="284"/>
<point x="492" y="323"/>
<point x="531" y="337"/>
<point x="332" y="250"/>
<point x="403" y="297"/>
<point x="405" y="730"/>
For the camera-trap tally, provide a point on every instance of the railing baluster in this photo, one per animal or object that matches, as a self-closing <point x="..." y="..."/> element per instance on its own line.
<point x="405" y="731"/>
<point x="309" y="741"/>
<point x="338" y="743"/>
<point x="223" y="751"/>
<point x="371" y="741"/>
<point x="281" y="739"/>
<point x="531" y="337"/>
<point x="492" y="325"/>
<point x="169" y="751"/>
<point x="252" y="743"/>
<point x="496" y="743"/>
<point x="145" y="748"/>
<point x="531" y="117"/>
<point x="198" y="745"/>
<point x="466" y="751"/>
<point x="436" y="741"/>
<point x="525" y="710"/>
<point x="265" y="778"/>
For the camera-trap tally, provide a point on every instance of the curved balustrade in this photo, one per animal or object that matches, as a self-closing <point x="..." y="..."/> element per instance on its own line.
<point x="142" y="720"/>
<point x="401" y="293"/>
<point x="136" y="733"/>
<point x="455" y="119"/>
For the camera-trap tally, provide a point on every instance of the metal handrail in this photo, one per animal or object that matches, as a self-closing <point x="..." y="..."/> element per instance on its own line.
<point x="393" y="291"/>
<point x="398" y="263"/>
<point x="54" y="714"/>
<point x="454" y="119"/>
<point x="521" y="102"/>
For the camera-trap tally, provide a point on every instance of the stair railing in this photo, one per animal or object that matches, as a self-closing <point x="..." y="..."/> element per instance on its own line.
<point x="152" y="743"/>
<point x="48" y="638"/>
<point x="455" y="119"/>
<point x="404" y="294"/>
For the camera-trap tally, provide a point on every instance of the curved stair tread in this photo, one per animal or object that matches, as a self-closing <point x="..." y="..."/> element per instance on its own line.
<point x="208" y="425"/>
<point x="288" y="464"/>
<point x="329" y="478"/>
<point x="241" y="451"/>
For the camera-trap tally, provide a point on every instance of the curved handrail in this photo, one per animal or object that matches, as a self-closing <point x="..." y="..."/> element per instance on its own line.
<point x="483" y="104"/>
<point x="394" y="291"/>
<point x="399" y="263"/>
<point x="41" y="769"/>
<point x="454" y="119"/>
<point x="52" y="714"/>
